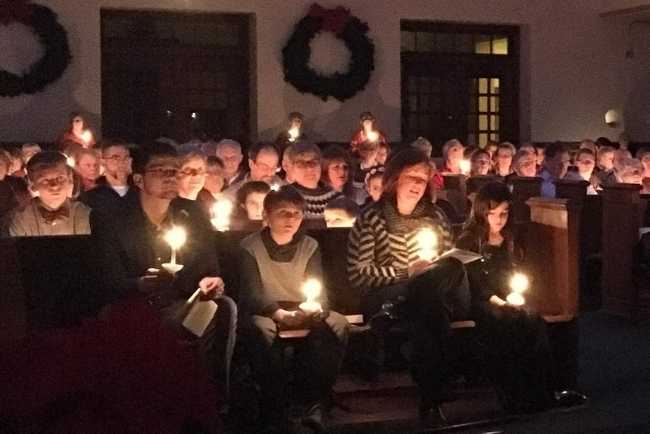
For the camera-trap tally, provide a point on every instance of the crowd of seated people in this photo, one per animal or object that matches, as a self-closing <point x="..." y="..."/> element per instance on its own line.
<point x="128" y="196"/>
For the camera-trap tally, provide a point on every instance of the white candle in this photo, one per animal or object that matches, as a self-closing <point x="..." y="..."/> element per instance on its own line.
<point x="311" y="289"/>
<point x="175" y="237"/>
<point x="427" y="244"/>
<point x="221" y="211"/>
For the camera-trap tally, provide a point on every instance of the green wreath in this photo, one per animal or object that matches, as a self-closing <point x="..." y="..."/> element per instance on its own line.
<point x="351" y="31"/>
<point x="56" y="52"/>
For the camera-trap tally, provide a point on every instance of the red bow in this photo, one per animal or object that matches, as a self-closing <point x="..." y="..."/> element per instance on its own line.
<point x="334" y="20"/>
<point x="12" y="11"/>
<point x="51" y="216"/>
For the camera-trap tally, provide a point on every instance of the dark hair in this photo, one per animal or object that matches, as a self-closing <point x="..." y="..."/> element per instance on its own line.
<point x="335" y="153"/>
<point x="489" y="197"/>
<point x="398" y="163"/>
<point x="478" y="152"/>
<point x="254" y="151"/>
<point x="213" y="160"/>
<point x="585" y="151"/>
<point x="145" y="153"/>
<point x="555" y="149"/>
<point x="344" y="203"/>
<point x="44" y="160"/>
<point x="604" y="141"/>
<point x="302" y="148"/>
<point x="296" y="115"/>
<point x="286" y="194"/>
<point x="251" y="187"/>
<point x="366" y="116"/>
<point x="109" y="143"/>
<point x="642" y="152"/>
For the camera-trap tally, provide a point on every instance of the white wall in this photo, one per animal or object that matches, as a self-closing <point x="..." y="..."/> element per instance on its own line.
<point x="570" y="65"/>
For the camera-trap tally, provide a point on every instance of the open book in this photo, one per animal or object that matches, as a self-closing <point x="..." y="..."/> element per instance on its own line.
<point x="199" y="314"/>
<point x="464" y="256"/>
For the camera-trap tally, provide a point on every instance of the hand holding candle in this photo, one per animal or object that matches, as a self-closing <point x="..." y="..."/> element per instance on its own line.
<point x="518" y="284"/>
<point x="465" y="167"/>
<point x="175" y="237"/>
<point x="427" y="244"/>
<point x="311" y="289"/>
<point x="372" y="136"/>
<point x="87" y="137"/>
<point x="294" y="133"/>
<point x="221" y="211"/>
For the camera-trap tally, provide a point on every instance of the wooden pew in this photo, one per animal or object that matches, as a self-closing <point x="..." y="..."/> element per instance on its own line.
<point x="455" y="192"/>
<point x="552" y="252"/>
<point x="475" y="183"/>
<point x="524" y="188"/>
<point x="13" y="313"/>
<point x="623" y="213"/>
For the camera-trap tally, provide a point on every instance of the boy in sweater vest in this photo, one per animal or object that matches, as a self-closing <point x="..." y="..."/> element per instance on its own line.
<point x="275" y="262"/>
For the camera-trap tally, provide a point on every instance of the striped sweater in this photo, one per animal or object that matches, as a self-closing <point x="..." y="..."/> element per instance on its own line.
<point x="317" y="199"/>
<point x="382" y="244"/>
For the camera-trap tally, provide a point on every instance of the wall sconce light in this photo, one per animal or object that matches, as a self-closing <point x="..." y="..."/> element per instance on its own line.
<point x="612" y="118"/>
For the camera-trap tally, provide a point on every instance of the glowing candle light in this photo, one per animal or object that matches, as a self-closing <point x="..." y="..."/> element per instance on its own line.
<point x="372" y="136"/>
<point x="221" y="211"/>
<point x="175" y="237"/>
<point x="69" y="161"/>
<point x="294" y="133"/>
<point x="87" y="137"/>
<point x="275" y="186"/>
<point x="518" y="285"/>
<point x="311" y="289"/>
<point x="465" y="166"/>
<point x="427" y="244"/>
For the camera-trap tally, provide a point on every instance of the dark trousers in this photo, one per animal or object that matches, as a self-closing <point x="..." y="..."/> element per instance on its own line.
<point x="431" y="302"/>
<point x="317" y="358"/>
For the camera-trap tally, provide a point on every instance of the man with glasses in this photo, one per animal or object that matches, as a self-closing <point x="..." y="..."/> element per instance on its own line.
<point x="305" y="162"/>
<point x="263" y="160"/>
<point x="133" y="250"/>
<point x="114" y="192"/>
<point x="51" y="212"/>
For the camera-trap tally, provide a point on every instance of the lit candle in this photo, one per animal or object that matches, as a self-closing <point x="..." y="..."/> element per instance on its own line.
<point x="294" y="133"/>
<point x="69" y="161"/>
<point x="372" y="136"/>
<point x="311" y="289"/>
<point x="221" y="211"/>
<point x="465" y="166"/>
<point x="518" y="285"/>
<point x="427" y="244"/>
<point x="275" y="186"/>
<point x="175" y="237"/>
<point x="86" y="136"/>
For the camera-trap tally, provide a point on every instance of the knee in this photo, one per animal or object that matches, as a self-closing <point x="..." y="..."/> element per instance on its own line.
<point x="339" y="325"/>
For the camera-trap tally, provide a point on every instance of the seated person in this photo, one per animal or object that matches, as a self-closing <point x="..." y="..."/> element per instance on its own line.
<point x="606" y="175"/>
<point x="383" y="153"/>
<point x="191" y="175"/>
<point x="305" y="163"/>
<point x="452" y="155"/>
<point x="274" y="263"/>
<point x="367" y="133"/>
<point x="630" y="171"/>
<point x="374" y="185"/>
<point x="388" y="263"/>
<point x="337" y="173"/>
<point x="214" y="183"/>
<point x="524" y="164"/>
<point x="516" y="341"/>
<point x="263" y="160"/>
<point x="250" y="203"/>
<point x="503" y="159"/>
<point x="114" y="190"/>
<point x="51" y="212"/>
<point x="229" y="152"/>
<point x="423" y="145"/>
<point x="585" y="161"/>
<point x="341" y="213"/>
<point x="556" y="163"/>
<point x="367" y="152"/>
<point x="133" y="251"/>
<point x="480" y="163"/>
<point x="86" y="165"/>
<point x="294" y="132"/>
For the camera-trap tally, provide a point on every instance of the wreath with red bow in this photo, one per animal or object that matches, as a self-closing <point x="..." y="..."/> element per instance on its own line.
<point x="351" y="31"/>
<point x="56" y="52"/>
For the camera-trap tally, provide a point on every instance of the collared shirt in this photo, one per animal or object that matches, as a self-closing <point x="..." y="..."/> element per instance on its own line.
<point x="30" y="221"/>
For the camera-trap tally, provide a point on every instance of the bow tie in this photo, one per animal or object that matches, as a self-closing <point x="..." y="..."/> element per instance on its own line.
<point x="52" y="216"/>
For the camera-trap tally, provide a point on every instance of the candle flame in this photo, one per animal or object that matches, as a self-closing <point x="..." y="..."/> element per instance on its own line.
<point x="312" y="289"/>
<point x="372" y="136"/>
<point x="516" y="299"/>
<point x="275" y="186"/>
<point x="86" y="136"/>
<point x="221" y="211"/>
<point x="69" y="161"/>
<point x="465" y="166"/>
<point x="519" y="283"/>
<point x="176" y="237"/>
<point x="294" y="133"/>
<point x="427" y="244"/>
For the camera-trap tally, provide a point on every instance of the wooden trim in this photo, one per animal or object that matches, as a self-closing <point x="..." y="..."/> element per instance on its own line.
<point x="625" y="11"/>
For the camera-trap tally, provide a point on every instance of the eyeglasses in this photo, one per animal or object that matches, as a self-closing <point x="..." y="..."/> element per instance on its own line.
<point x="191" y="172"/>
<point x="53" y="182"/>
<point x="160" y="172"/>
<point x="311" y="164"/>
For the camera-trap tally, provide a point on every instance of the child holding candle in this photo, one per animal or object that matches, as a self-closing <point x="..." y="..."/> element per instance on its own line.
<point x="275" y="262"/>
<point x="515" y="339"/>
